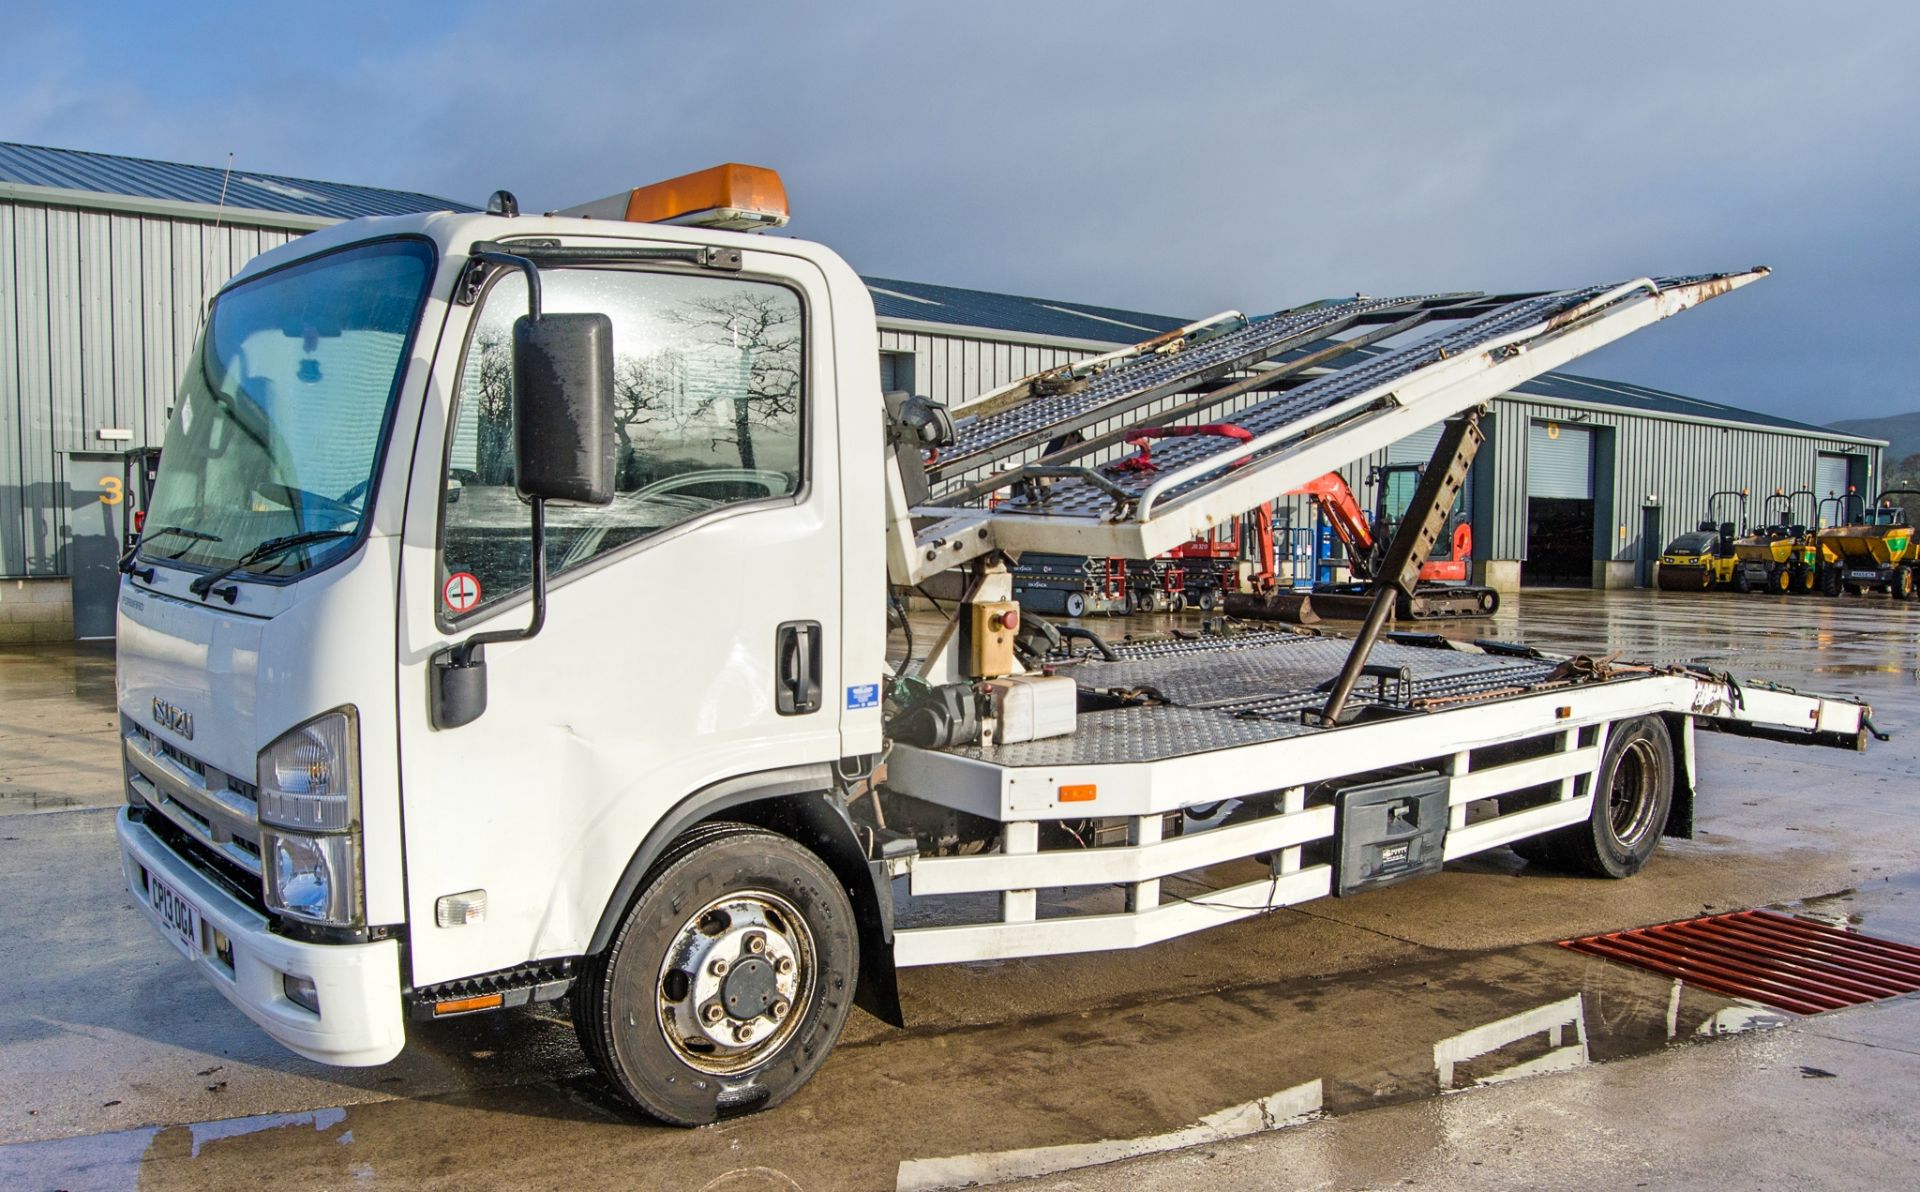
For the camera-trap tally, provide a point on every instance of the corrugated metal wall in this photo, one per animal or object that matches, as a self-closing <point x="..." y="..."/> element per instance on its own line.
<point x="100" y="311"/>
<point x="1655" y="461"/>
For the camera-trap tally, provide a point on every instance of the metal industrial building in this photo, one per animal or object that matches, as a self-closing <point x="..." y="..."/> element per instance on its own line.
<point x="106" y="264"/>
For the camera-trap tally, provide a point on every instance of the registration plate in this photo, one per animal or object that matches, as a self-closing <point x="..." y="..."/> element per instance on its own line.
<point x="178" y="920"/>
<point x="1863" y="575"/>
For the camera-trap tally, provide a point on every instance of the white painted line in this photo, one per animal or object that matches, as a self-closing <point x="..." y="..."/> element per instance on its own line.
<point x="1289" y="1107"/>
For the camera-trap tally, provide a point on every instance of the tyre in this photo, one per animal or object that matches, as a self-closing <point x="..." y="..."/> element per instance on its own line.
<point x="1179" y="603"/>
<point x="1633" y="791"/>
<point x="728" y="980"/>
<point x="1830" y="581"/>
<point x="1902" y="586"/>
<point x="1209" y="600"/>
<point x="1740" y="581"/>
<point x="1128" y="605"/>
<point x="1782" y="580"/>
<point x="1076" y="604"/>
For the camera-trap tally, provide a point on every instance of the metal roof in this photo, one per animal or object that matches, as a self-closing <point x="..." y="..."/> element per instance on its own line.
<point x="107" y="173"/>
<point x="1559" y="386"/>
<point x="923" y="303"/>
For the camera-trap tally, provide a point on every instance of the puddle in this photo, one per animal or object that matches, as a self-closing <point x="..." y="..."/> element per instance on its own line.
<point x="947" y="1108"/>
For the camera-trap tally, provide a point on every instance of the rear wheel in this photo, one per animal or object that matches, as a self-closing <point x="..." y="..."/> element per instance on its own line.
<point x="1632" y="793"/>
<point x="1830" y="581"/>
<point x="1740" y="581"/>
<point x="1782" y="580"/>
<point x="1076" y="604"/>
<point x="728" y="980"/>
<point x="1209" y="600"/>
<point x="1903" y="583"/>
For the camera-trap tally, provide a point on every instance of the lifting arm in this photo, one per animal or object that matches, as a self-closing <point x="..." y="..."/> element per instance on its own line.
<point x="1412" y="543"/>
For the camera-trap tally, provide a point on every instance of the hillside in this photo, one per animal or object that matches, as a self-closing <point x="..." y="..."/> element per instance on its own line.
<point x="1902" y="432"/>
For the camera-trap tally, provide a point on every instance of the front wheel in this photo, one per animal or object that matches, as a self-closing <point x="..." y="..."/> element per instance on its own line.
<point x="728" y="980"/>
<point x="1902" y="587"/>
<point x="1076" y="605"/>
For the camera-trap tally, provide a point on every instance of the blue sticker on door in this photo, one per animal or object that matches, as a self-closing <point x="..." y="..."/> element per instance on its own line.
<point x="863" y="695"/>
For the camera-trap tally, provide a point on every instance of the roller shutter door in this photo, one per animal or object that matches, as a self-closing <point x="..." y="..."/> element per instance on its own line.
<point x="1830" y="475"/>
<point x="1559" y="461"/>
<point x="1416" y="448"/>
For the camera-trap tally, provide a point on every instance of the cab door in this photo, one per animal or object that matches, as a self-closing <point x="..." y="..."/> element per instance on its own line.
<point x="692" y="625"/>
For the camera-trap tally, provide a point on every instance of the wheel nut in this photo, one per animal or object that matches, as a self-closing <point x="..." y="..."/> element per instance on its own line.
<point x="780" y="1009"/>
<point x="783" y="966"/>
<point x="756" y="943"/>
<point x="719" y="966"/>
<point x="713" y="1013"/>
<point x="741" y="1033"/>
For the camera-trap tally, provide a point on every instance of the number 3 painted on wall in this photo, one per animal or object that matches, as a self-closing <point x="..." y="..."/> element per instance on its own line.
<point x="116" y="490"/>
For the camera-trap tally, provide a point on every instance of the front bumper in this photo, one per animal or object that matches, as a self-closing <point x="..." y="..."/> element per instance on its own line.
<point x="361" y="1021"/>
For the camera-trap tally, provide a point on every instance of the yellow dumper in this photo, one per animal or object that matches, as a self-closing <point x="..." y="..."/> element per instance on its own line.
<point x="1780" y="554"/>
<point x="1873" y="547"/>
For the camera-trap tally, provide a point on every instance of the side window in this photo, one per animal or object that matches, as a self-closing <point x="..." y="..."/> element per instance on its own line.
<point x="708" y="412"/>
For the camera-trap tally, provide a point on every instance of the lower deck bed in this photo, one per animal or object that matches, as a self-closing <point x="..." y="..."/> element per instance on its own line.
<point x="1222" y="785"/>
<point x="1221" y="692"/>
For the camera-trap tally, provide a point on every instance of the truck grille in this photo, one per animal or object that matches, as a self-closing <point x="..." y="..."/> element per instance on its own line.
<point x="207" y="816"/>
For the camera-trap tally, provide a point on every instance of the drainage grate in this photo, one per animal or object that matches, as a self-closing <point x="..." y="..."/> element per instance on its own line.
<point x="1776" y="960"/>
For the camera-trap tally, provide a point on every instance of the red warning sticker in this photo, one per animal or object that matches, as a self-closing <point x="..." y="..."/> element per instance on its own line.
<point x="461" y="592"/>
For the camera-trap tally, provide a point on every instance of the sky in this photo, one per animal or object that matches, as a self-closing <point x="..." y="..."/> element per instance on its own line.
<point x="1174" y="159"/>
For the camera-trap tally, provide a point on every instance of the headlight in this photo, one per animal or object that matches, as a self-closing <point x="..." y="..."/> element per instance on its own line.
<point x="315" y="878"/>
<point x="309" y="790"/>
<point x="309" y="779"/>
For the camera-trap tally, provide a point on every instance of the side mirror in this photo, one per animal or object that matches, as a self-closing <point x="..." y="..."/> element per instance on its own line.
<point x="563" y="407"/>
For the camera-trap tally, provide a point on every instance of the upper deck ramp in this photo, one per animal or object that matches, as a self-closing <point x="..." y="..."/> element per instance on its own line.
<point x="1114" y="462"/>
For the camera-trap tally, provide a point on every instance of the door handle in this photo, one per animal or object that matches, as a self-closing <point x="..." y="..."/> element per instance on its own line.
<point x="797" y="654"/>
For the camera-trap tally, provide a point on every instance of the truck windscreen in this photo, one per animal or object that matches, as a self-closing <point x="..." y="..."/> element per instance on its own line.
<point x="281" y="417"/>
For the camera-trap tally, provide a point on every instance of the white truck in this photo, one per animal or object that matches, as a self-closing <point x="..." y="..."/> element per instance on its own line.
<point x="418" y="719"/>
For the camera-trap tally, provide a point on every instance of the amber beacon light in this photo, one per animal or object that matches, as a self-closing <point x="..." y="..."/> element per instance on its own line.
<point x="735" y="197"/>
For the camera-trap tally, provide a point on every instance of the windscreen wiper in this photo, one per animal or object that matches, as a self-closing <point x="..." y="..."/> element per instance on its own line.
<point x="126" y="560"/>
<point x="203" y="586"/>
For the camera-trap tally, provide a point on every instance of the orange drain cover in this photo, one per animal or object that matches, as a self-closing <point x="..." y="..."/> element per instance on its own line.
<point x="1776" y="960"/>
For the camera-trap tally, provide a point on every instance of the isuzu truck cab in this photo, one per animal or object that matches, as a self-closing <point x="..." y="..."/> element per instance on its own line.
<point x="511" y="621"/>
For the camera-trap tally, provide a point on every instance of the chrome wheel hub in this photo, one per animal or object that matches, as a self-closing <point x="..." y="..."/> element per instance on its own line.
<point x="1632" y="800"/>
<point x="736" y="981"/>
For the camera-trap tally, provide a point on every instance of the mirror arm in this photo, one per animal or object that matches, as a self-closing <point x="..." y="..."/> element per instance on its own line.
<point x="523" y="265"/>
<point x="459" y="672"/>
<point x="466" y="651"/>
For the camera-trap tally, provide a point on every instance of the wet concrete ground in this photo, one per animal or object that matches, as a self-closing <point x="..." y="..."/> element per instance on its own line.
<point x="119" y="1069"/>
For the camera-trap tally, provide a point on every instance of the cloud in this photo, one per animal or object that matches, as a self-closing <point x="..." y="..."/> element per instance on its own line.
<point x="1176" y="161"/>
